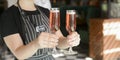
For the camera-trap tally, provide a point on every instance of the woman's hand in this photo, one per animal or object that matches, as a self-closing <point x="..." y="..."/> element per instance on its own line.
<point x="47" y="40"/>
<point x="73" y="39"/>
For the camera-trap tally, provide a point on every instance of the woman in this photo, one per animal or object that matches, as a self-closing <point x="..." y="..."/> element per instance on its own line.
<point x="21" y="34"/>
<point x="43" y="3"/>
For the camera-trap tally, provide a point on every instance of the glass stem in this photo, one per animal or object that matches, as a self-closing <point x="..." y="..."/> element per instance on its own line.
<point x="70" y="49"/>
<point x="54" y="50"/>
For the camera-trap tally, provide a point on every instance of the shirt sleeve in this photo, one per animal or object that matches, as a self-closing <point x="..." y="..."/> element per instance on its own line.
<point x="43" y="3"/>
<point x="8" y="25"/>
<point x="63" y="27"/>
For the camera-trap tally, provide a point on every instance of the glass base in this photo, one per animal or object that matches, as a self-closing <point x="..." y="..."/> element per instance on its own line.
<point x="70" y="52"/>
<point x="56" y="53"/>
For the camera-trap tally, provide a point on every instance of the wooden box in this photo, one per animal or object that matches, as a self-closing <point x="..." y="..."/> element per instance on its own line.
<point x="105" y="39"/>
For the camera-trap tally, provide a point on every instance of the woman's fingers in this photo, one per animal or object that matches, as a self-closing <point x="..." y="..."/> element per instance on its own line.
<point x="53" y="36"/>
<point x="74" y="42"/>
<point x="73" y="35"/>
<point x="52" y="45"/>
<point x="74" y="39"/>
<point x="47" y="40"/>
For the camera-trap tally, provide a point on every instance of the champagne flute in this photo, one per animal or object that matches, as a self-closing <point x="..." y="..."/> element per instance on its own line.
<point x="54" y="23"/>
<point x="70" y="26"/>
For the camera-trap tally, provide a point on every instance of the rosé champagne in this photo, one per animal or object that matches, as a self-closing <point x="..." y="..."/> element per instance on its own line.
<point x="54" y="20"/>
<point x="70" y="21"/>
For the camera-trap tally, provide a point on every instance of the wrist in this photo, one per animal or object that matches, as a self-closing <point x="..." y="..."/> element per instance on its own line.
<point x="36" y="43"/>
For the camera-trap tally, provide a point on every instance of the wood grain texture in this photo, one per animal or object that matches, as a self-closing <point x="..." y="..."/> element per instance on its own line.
<point x="103" y="42"/>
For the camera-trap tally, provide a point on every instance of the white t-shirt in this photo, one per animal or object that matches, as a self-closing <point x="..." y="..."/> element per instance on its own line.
<point x="11" y="2"/>
<point x="43" y="3"/>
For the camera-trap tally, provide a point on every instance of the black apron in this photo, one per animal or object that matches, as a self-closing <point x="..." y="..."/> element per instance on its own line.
<point x="33" y="25"/>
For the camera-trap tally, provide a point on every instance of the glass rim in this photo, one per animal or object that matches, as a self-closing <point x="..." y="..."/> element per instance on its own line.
<point x="55" y="8"/>
<point x="71" y="11"/>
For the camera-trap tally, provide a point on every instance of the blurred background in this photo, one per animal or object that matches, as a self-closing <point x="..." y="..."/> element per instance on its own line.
<point x="92" y="17"/>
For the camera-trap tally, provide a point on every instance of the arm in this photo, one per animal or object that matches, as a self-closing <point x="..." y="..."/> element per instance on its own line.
<point x="15" y="44"/>
<point x="62" y="44"/>
<point x="21" y="51"/>
<point x="71" y="40"/>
